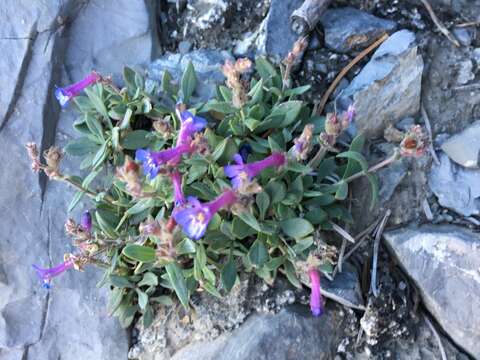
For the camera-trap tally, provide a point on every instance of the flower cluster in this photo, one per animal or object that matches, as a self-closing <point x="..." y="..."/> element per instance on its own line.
<point x="233" y="72"/>
<point x="188" y="207"/>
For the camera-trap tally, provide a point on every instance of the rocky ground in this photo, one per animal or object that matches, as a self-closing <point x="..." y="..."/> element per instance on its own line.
<point x="428" y="264"/>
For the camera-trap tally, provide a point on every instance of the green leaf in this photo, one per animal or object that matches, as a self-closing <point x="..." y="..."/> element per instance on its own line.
<point x="175" y="276"/>
<point x="129" y="78"/>
<point x="265" y="69"/>
<point x="258" y="254"/>
<point x="140" y="206"/>
<point x="250" y="220"/>
<point x="316" y="216"/>
<point x="105" y="223"/>
<point x="219" y="149"/>
<point x="163" y="299"/>
<point x="241" y="229"/>
<point x="126" y="119"/>
<point x="291" y="276"/>
<point x="100" y="156"/>
<point x="139" y="253"/>
<point x="148" y="317"/>
<point x="81" y="147"/>
<point x="116" y="296"/>
<point x="189" y="81"/>
<point x="75" y="200"/>
<point x="353" y="166"/>
<point x="212" y="289"/>
<point x="201" y="256"/>
<point x="276" y="190"/>
<point x="297" y="91"/>
<point x="296" y="228"/>
<point x="186" y="246"/>
<point x="359" y="158"/>
<point x="342" y="191"/>
<point x="166" y="83"/>
<point x="135" y="140"/>
<point x="94" y="126"/>
<point x="374" y="188"/>
<point x="229" y="275"/>
<point x="263" y="202"/>
<point x="142" y="299"/>
<point x="149" y="279"/>
<point x="97" y="102"/>
<point x="120" y="281"/>
<point x="256" y="92"/>
<point x="223" y="107"/>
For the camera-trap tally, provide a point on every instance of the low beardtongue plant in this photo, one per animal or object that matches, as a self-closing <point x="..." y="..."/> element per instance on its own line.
<point x="184" y="195"/>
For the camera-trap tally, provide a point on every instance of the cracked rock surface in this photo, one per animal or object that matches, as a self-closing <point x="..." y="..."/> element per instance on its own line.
<point x="46" y="44"/>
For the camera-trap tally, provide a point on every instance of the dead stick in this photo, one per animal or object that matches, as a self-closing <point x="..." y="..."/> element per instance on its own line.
<point x="439" y="24"/>
<point x="376" y="245"/>
<point x="306" y="17"/>
<point x="345" y="70"/>
<point x="428" y="126"/>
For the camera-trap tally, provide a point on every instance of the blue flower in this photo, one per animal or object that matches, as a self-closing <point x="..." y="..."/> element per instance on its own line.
<point x="152" y="161"/>
<point x="190" y="124"/>
<point x="194" y="217"/>
<point x="86" y="221"/>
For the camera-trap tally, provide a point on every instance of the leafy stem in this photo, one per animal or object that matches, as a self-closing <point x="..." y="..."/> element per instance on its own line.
<point x="107" y="198"/>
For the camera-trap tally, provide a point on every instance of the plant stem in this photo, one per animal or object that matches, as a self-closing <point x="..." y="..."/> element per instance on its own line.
<point x="373" y="168"/>
<point x="318" y="157"/>
<point x="107" y="198"/>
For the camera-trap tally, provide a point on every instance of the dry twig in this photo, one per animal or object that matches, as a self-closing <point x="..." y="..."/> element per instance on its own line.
<point x="345" y="70"/>
<point x="376" y="245"/>
<point x="342" y="232"/>
<point x="430" y="136"/>
<point x="439" y="24"/>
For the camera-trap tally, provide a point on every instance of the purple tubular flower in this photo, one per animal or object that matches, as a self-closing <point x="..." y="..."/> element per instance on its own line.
<point x="64" y="95"/>
<point x="86" y="221"/>
<point x="46" y="275"/>
<point x="241" y="172"/>
<point x="350" y="113"/>
<point x="195" y="216"/>
<point x="190" y="125"/>
<point x="315" y="296"/>
<point x="152" y="161"/>
<point x="177" y="188"/>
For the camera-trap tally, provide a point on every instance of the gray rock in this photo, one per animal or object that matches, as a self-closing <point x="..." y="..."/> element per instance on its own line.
<point x="464" y="148"/>
<point x="107" y="35"/>
<point x="293" y="333"/>
<point x="278" y="37"/>
<point x="345" y="287"/>
<point x="444" y="263"/>
<point x="348" y="29"/>
<point x="388" y="87"/>
<point x="206" y="13"/>
<point x="465" y="72"/>
<point x="476" y="56"/>
<point x="457" y="188"/>
<point x="389" y="178"/>
<point x="207" y="64"/>
<point x="463" y="36"/>
<point x="405" y="124"/>
<point x="70" y="320"/>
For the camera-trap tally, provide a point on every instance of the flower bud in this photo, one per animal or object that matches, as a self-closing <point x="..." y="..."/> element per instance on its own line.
<point x="414" y="144"/>
<point x="53" y="156"/>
